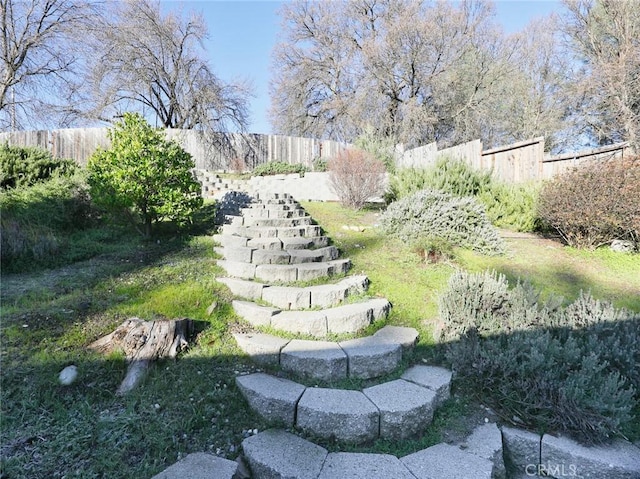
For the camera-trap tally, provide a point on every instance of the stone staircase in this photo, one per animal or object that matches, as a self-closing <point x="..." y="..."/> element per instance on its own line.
<point x="271" y="251"/>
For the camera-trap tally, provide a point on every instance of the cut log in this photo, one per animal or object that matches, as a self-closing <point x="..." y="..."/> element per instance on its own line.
<point x="142" y="342"/>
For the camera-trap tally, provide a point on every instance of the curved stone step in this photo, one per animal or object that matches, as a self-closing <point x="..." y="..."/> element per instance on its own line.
<point x="276" y="453"/>
<point x="339" y="414"/>
<point x="200" y="465"/>
<point x="393" y="410"/>
<point x="432" y="377"/>
<point x="286" y="297"/>
<point x="251" y="232"/>
<point x="373" y="357"/>
<point x="349" y="318"/>
<point x="284" y="273"/>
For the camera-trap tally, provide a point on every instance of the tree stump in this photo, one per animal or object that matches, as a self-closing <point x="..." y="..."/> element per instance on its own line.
<point x="143" y="342"/>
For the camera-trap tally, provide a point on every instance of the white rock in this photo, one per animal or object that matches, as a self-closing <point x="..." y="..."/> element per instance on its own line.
<point x="68" y="375"/>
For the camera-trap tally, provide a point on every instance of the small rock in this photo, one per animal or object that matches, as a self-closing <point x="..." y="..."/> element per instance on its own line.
<point x="622" y="246"/>
<point x="212" y="308"/>
<point x="68" y="375"/>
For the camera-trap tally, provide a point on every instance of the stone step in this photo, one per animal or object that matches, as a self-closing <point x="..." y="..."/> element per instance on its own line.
<point x="277" y="222"/>
<point x="349" y="318"/>
<point x="274" y="213"/>
<point x="284" y="273"/>
<point x="200" y="465"/>
<point x="287" y="297"/>
<point x="392" y="410"/>
<point x="279" y="454"/>
<point x="306" y="231"/>
<point x="432" y="377"/>
<point x="447" y="461"/>
<point x="276" y="453"/>
<point x="338" y="414"/>
<point x="329" y="361"/>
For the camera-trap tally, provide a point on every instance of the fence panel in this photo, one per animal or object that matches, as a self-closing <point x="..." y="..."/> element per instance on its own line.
<point x="515" y="163"/>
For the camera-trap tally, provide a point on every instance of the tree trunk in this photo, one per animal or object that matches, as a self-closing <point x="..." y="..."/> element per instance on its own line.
<point x="143" y="342"/>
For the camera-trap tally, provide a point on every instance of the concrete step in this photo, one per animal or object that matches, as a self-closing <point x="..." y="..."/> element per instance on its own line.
<point x="279" y="454"/>
<point x="339" y="414"/>
<point x="447" y="461"/>
<point x="349" y="318"/>
<point x="406" y="409"/>
<point x="354" y="465"/>
<point x="330" y="361"/>
<point x="200" y="465"/>
<point x="284" y="273"/>
<point x="277" y="222"/>
<point x="432" y="377"/>
<point x="275" y="399"/>
<point x="286" y="297"/>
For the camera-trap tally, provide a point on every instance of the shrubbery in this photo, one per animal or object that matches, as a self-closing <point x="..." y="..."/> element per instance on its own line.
<point x="25" y="166"/>
<point x="356" y="176"/>
<point x="594" y="204"/>
<point x="435" y="214"/>
<point x="555" y="369"/>
<point x="144" y="176"/>
<point x="36" y="219"/>
<point x="278" y="168"/>
<point x="506" y="206"/>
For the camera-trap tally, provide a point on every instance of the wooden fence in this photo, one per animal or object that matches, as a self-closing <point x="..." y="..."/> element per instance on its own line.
<point x="516" y="163"/>
<point x="218" y="151"/>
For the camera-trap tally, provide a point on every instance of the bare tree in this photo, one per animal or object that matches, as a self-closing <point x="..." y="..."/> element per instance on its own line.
<point x="415" y="71"/>
<point x="605" y="36"/>
<point x="39" y="54"/>
<point x="153" y="63"/>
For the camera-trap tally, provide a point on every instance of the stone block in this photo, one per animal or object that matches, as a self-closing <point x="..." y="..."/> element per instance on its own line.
<point x="328" y="253"/>
<point x="242" y="288"/>
<point x="406" y="409"/>
<point x="230" y="241"/>
<point x="562" y="456"/>
<point x="291" y="232"/>
<point x="355" y="285"/>
<point x="267" y="256"/>
<point x="313" y="323"/>
<point x="486" y="441"/>
<point x="260" y="232"/>
<point x="405" y="337"/>
<point x="338" y="414"/>
<point x="435" y="378"/>
<point x="275" y="399"/>
<point x="287" y="298"/>
<point x="261" y="348"/>
<point x="522" y="447"/>
<point x="276" y="273"/>
<point x="369" y="358"/>
<point x="253" y="313"/>
<point x="237" y="269"/>
<point x="273" y="244"/>
<point x="311" y="271"/>
<point x="276" y="454"/>
<point x="200" y="465"/>
<point x="327" y="295"/>
<point x="380" y="308"/>
<point x="353" y="465"/>
<point x="316" y="359"/>
<point x="299" y="242"/>
<point x="446" y="461"/>
<point x="239" y="253"/>
<point x="349" y="318"/>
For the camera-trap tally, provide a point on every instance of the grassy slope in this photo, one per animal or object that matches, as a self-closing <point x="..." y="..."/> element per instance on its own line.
<point x="190" y="405"/>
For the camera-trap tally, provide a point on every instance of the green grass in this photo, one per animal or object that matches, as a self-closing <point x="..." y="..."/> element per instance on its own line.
<point x="191" y="404"/>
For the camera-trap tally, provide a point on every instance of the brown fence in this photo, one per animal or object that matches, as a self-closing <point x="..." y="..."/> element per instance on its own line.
<point x="515" y="163"/>
<point x="210" y="151"/>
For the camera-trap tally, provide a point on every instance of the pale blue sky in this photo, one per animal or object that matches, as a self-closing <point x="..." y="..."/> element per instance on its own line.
<point x="243" y="33"/>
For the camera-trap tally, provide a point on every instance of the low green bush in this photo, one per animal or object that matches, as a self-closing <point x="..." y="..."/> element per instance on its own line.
<point x="594" y="204"/>
<point x="320" y="165"/>
<point x="278" y="168"/>
<point x="382" y="149"/>
<point x="428" y="214"/>
<point x="554" y="369"/>
<point x="25" y="166"/>
<point x="507" y="206"/>
<point x="35" y="219"/>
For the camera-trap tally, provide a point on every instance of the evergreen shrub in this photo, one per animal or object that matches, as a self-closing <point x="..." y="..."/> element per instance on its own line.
<point x="278" y="168"/>
<point x="25" y="166"/>
<point x="428" y="213"/>
<point x="571" y="370"/>
<point x="594" y="204"/>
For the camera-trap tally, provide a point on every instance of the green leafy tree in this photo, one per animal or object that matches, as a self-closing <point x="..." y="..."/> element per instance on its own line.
<point x="144" y="174"/>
